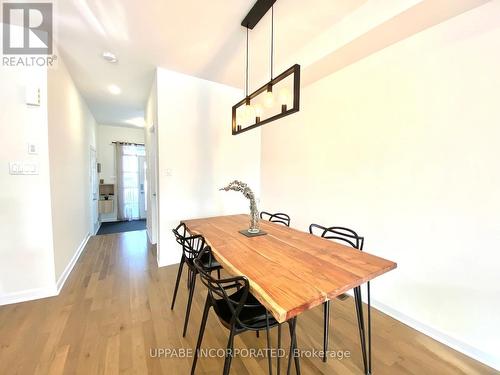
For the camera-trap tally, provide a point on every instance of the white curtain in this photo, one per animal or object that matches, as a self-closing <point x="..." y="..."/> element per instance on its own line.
<point x="127" y="180"/>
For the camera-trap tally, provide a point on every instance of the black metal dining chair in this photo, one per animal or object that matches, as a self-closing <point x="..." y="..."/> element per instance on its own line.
<point x="191" y="247"/>
<point x="279" y="217"/>
<point x="351" y="238"/>
<point x="238" y="311"/>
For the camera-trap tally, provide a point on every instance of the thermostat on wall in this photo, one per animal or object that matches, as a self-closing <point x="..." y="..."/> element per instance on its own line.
<point x="32" y="149"/>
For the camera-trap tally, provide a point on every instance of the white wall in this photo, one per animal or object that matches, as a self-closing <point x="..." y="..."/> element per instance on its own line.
<point x="71" y="134"/>
<point x="198" y="155"/>
<point x="403" y="146"/>
<point x="106" y="150"/>
<point x="26" y="256"/>
<point x="45" y="218"/>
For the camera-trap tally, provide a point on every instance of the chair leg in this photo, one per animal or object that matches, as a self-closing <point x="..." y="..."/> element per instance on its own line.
<point x="218" y="273"/>
<point x="189" y="277"/>
<point x="179" y="273"/>
<point x="269" y="360"/>
<point x="190" y="300"/>
<point x="293" y="345"/>
<point x="200" y="334"/>
<point x="361" y="325"/>
<point x="229" y="352"/>
<point x="326" y="325"/>
<point x="278" y="364"/>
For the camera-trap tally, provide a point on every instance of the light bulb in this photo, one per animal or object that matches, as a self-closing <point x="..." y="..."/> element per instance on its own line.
<point x="258" y="110"/>
<point x="269" y="99"/>
<point x="240" y="117"/>
<point x="284" y="96"/>
<point x="249" y="113"/>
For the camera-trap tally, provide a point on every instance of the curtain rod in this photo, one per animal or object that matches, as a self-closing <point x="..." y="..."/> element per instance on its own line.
<point x="128" y="143"/>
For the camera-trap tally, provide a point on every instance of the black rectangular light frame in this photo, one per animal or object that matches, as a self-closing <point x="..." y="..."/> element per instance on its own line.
<point x="295" y="70"/>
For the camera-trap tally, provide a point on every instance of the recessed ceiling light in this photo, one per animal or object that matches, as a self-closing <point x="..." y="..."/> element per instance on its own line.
<point x="115" y="90"/>
<point x="110" y="57"/>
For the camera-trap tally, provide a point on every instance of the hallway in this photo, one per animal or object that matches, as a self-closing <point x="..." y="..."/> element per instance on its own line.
<point x="114" y="309"/>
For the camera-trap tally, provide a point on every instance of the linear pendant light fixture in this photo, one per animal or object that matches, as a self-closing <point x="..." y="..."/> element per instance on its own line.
<point x="279" y="97"/>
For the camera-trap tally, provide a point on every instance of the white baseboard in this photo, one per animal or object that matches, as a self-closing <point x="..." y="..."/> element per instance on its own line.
<point x="437" y="335"/>
<point x="27" y="295"/>
<point x="71" y="264"/>
<point x="38" y="293"/>
<point x="150" y="237"/>
<point x="97" y="230"/>
<point x="165" y="264"/>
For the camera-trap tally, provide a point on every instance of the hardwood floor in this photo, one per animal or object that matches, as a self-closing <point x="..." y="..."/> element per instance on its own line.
<point x="114" y="312"/>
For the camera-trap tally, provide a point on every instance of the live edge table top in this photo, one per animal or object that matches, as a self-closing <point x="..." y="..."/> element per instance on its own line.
<point x="289" y="271"/>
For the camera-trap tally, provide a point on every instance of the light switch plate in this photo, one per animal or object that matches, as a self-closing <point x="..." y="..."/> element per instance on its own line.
<point x="15" y="167"/>
<point x="30" y="168"/>
<point x="23" y="168"/>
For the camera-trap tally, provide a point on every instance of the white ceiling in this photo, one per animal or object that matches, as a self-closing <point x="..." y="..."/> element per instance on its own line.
<point x="199" y="38"/>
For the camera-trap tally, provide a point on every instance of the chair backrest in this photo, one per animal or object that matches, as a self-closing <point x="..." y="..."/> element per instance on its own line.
<point x="180" y="233"/>
<point x="191" y="245"/>
<point x="218" y="288"/>
<point x="279" y="217"/>
<point x="341" y="234"/>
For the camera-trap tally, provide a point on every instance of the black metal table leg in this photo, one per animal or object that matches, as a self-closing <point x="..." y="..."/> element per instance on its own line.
<point x="369" y="330"/>
<point x="278" y="365"/>
<point x="269" y="359"/>
<point x="326" y="325"/>
<point x="292" y="323"/>
<point x="361" y="326"/>
<point x="365" y="349"/>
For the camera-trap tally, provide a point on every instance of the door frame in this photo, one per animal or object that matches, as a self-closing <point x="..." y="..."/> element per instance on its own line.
<point x="152" y="177"/>
<point x="93" y="192"/>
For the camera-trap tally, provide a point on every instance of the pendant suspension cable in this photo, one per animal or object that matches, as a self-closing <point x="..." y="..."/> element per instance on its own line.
<point x="272" y="40"/>
<point x="246" y="82"/>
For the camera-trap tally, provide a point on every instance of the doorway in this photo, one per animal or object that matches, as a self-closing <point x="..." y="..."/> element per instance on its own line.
<point x="130" y="182"/>
<point x="130" y="163"/>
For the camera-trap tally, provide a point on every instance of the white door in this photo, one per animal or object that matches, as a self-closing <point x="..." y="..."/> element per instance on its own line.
<point x="142" y="186"/>
<point x="94" y="193"/>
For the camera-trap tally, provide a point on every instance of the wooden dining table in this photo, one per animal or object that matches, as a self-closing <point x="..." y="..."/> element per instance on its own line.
<point x="291" y="271"/>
